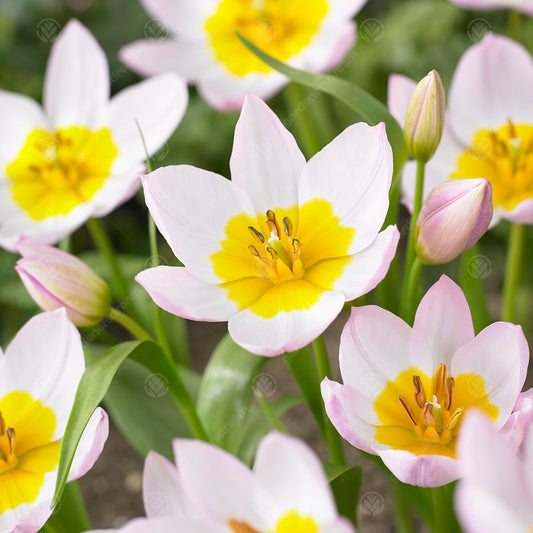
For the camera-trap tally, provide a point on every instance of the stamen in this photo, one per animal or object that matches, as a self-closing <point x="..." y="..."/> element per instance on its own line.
<point x="272" y="253"/>
<point x="296" y="246"/>
<point x="254" y="252"/>
<point x="408" y="410"/>
<point x="450" y="387"/>
<point x="439" y="382"/>
<point x="512" y="129"/>
<point x="287" y="226"/>
<point x="272" y="223"/>
<point x="10" y="433"/>
<point x="420" y="393"/>
<point x="240" y="527"/>
<point x="427" y="415"/>
<point x="2" y="425"/>
<point x="454" y="419"/>
<point x="257" y="235"/>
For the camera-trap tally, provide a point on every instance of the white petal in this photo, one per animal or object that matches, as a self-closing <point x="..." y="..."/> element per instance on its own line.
<point x="399" y="93"/>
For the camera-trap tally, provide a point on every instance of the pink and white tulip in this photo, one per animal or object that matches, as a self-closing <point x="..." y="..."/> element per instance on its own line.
<point x="312" y="35"/>
<point x="81" y="155"/>
<point x="405" y="393"/>
<point x="278" y="250"/>
<point x="39" y="374"/>
<point x="495" y="492"/>
<point x="454" y="216"/>
<point x="488" y="130"/>
<point x="56" y="279"/>
<point x="525" y="6"/>
<point x="210" y="491"/>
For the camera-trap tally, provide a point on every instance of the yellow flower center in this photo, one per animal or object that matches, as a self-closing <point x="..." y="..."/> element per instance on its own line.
<point x="55" y="172"/>
<point x="284" y="260"/>
<point x="280" y="27"/>
<point x="27" y="451"/>
<point x="290" y="522"/>
<point x="423" y="415"/>
<point x="505" y="158"/>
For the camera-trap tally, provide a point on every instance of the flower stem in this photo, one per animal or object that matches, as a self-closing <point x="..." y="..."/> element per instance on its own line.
<point x="128" y="323"/>
<point x="512" y="270"/>
<point x="419" y="193"/>
<point x="269" y="413"/>
<point x="404" y="519"/>
<point x="409" y="302"/>
<point x="333" y="440"/>
<point x="298" y="113"/>
<point x="103" y="243"/>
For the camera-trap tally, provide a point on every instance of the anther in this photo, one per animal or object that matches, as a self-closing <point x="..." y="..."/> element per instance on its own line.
<point x="287" y="226"/>
<point x="427" y="415"/>
<point x="240" y="527"/>
<point x="450" y="387"/>
<point x="257" y="234"/>
<point x="272" y="253"/>
<point x="454" y="419"/>
<point x="2" y="425"/>
<point x="512" y="129"/>
<point x="271" y="223"/>
<point x="420" y="393"/>
<point x="408" y="410"/>
<point x="10" y="433"/>
<point x="439" y="382"/>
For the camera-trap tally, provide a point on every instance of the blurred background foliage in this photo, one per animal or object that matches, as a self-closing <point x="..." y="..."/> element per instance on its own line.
<point x="409" y="37"/>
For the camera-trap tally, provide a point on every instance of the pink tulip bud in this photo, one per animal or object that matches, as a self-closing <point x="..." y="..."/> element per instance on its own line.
<point x="424" y="120"/>
<point x="57" y="279"/>
<point x="453" y="218"/>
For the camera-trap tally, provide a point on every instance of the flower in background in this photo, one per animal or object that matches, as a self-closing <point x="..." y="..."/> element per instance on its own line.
<point x="308" y="34"/>
<point x="526" y="6"/>
<point x="57" y="279"/>
<point x="279" y="249"/>
<point x="212" y="491"/>
<point x="488" y="131"/>
<point x="80" y="156"/>
<point x="495" y="492"/>
<point x="39" y="374"/>
<point x="454" y="216"/>
<point x="405" y="393"/>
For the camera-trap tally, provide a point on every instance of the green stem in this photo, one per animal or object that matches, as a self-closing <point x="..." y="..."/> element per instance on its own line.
<point x="409" y="303"/>
<point x="333" y="440"/>
<point x="269" y="413"/>
<point x="402" y="512"/>
<point x="103" y="243"/>
<point x="515" y="25"/>
<point x="298" y="113"/>
<point x="128" y="323"/>
<point x="512" y="270"/>
<point x="419" y="194"/>
<point x="441" y="510"/>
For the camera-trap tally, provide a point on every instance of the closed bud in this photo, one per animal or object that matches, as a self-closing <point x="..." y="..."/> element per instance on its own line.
<point x="453" y="218"/>
<point x="57" y="279"/>
<point x="424" y="120"/>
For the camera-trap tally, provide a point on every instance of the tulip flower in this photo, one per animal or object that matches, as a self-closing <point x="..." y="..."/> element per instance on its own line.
<point x="212" y="491"/>
<point x="203" y="47"/>
<point x="424" y="119"/>
<point x="453" y="218"/>
<point x="81" y="155"/>
<point x="279" y="249"/>
<point x="496" y="492"/>
<point x="525" y="6"/>
<point x="488" y="130"/>
<point x="39" y="374"/>
<point x="57" y="279"/>
<point x="406" y="393"/>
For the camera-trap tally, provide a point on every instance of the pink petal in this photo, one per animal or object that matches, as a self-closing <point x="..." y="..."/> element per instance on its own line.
<point x="286" y="331"/>
<point x="289" y="470"/>
<point x="91" y="444"/>
<point x="266" y="161"/>
<point x="399" y="93"/>
<point x="443" y="324"/>
<point x="76" y="84"/>
<point x="177" y="291"/>
<point x="358" y="166"/>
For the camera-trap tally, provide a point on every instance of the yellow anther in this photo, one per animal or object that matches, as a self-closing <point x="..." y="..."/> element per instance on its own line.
<point x="427" y="415"/>
<point x="420" y="393"/>
<point x="257" y="235"/>
<point x="10" y="434"/>
<point x="454" y="419"/>
<point x="237" y="526"/>
<point x="408" y="410"/>
<point x="272" y="223"/>
<point x="450" y="387"/>
<point x="287" y="226"/>
<point x="439" y="382"/>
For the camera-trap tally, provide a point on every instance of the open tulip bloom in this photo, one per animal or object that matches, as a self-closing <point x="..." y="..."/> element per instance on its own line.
<point x="309" y="34"/>
<point x="488" y="131"/>
<point x="525" y="6"/>
<point x="406" y="392"/>
<point x="279" y="249"/>
<point x="211" y="491"/>
<point x="81" y="155"/>
<point x="495" y="492"/>
<point x="39" y="374"/>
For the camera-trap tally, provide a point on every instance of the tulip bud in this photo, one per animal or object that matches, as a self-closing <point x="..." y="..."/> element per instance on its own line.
<point x="424" y="119"/>
<point x="453" y="218"/>
<point x="57" y="279"/>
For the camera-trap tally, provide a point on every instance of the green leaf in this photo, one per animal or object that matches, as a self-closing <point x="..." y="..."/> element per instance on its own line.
<point x="226" y="390"/>
<point x="345" y="482"/>
<point x="155" y="420"/>
<point x="91" y="391"/>
<point x="370" y="109"/>
<point x="70" y="515"/>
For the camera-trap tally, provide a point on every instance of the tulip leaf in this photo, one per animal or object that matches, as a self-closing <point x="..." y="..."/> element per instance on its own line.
<point x="345" y="482"/>
<point x="154" y="421"/>
<point x="70" y="516"/>
<point x="226" y="390"/>
<point x="368" y="107"/>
